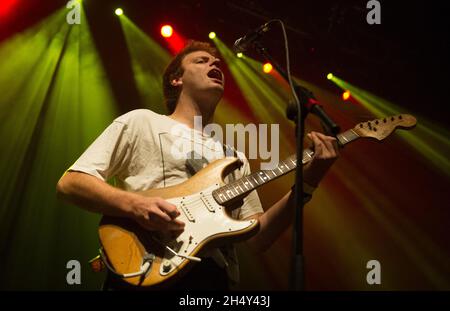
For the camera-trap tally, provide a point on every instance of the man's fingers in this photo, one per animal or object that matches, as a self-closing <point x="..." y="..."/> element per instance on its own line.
<point x="160" y="222"/>
<point x="176" y="225"/>
<point x="329" y="148"/>
<point x="318" y="146"/>
<point x="325" y="137"/>
<point x="160" y="216"/>
<point x="324" y="146"/>
<point x="168" y="208"/>
<point x="315" y="139"/>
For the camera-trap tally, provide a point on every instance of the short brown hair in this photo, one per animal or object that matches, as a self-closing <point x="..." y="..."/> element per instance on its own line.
<point x="174" y="70"/>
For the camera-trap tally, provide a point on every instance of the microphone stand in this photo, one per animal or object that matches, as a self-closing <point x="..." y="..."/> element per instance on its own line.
<point x="307" y="102"/>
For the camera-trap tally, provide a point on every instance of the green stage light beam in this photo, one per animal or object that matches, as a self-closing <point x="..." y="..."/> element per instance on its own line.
<point x="325" y="211"/>
<point x="263" y="100"/>
<point x="148" y="60"/>
<point x="429" y="139"/>
<point x="61" y="102"/>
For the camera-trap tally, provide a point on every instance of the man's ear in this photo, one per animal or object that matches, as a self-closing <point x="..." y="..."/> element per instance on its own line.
<point x="176" y="82"/>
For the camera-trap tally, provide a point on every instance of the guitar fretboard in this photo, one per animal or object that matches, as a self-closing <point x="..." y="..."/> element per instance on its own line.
<point x="244" y="185"/>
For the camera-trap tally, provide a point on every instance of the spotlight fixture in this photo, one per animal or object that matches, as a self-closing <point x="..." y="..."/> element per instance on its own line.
<point x="346" y="95"/>
<point x="267" y="68"/>
<point x="166" y="31"/>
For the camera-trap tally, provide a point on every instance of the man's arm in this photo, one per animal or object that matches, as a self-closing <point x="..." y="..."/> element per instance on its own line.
<point x="280" y="215"/>
<point x="95" y="195"/>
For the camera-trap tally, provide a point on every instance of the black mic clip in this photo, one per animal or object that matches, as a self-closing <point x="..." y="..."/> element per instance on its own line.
<point x="241" y="44"/>
<point x="311" y="104"/>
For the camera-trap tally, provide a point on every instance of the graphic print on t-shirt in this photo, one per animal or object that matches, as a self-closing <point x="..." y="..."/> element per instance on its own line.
<point x="182" y="156"/>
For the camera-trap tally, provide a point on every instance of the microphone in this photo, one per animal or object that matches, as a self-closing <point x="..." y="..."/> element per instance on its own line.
<point x="311" y="104"/>
<point x="241" y="44"/>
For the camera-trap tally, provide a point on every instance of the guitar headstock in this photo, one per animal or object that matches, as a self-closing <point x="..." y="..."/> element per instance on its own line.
<point x="382" y="128"/>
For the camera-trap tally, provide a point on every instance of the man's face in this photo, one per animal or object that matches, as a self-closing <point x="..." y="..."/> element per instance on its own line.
<point x="201" y="75"/>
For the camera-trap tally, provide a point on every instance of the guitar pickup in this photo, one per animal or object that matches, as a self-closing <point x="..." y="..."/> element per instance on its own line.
<point x="187" y="212"/>
<point x="207" y="203"/>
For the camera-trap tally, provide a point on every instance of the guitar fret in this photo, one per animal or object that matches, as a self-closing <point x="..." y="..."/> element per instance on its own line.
<point x="307" y="156"/>
<point x="264" y="176"/>
<point x="220" y="196"/>
<point x="240" y="187"/>
<point x="248" y="180"/>
<point x="353" y="134"/>
<point x="347" y="136"/>
<point x="245" y="184"/>
<point x="231" y="189"/>
<point x="288" y="165"/>
<point x="236" y="187"/>
<point x="259" y="175"/>
<point x="344" y="138"/>
<point x="252" y="181"/>
<point x="224" y="194"/>
<point x="228" y="191"/>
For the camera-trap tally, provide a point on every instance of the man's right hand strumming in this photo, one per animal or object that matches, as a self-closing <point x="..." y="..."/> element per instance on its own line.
<point x="156" y="214"/>
<point x="95" y="195"/>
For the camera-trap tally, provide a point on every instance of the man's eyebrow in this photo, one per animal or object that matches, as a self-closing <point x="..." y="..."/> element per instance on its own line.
<point x="204" y="57"/>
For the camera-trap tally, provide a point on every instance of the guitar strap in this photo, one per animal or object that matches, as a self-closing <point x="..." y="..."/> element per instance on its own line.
<point x="229" y="151"/>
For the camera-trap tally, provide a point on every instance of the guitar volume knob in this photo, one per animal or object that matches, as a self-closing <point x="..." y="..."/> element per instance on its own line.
<point x="166" y="266"/>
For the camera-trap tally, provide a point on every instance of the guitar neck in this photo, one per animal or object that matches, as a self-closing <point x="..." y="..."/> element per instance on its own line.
<point x="246" y="184"/>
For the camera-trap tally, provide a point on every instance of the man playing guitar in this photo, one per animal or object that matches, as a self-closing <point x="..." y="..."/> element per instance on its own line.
<point x="136" y="150"/>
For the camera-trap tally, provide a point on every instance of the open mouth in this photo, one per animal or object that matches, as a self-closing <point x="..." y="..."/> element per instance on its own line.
<point x="216" y="74"/>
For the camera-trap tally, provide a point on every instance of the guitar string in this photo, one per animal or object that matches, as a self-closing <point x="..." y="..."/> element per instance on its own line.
<point x="209" y="196"/>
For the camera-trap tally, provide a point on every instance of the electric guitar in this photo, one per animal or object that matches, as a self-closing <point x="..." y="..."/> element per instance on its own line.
<point x="146" y="258"/>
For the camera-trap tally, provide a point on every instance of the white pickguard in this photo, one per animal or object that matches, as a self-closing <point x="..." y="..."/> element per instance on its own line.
<point x="204" y="218"/>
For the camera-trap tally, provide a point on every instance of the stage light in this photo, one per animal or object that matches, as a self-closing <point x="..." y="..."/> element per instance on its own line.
<point x="346" y="95"/>
<point x="240" y="55"/>
<point x="166" y="31"/>
<point x="267" y="68"/>
<point x="212" y="35"/>
<point x="118" y="11"/>
<point x="330" y="76"/>
<point x="7" y="7"/>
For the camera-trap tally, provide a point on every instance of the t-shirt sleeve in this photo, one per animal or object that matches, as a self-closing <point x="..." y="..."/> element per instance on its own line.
<point x="252" y="204"/>
<point x="107" y="155"/>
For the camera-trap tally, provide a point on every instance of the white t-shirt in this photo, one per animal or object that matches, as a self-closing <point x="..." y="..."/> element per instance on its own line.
<point x="144" y="150"/>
